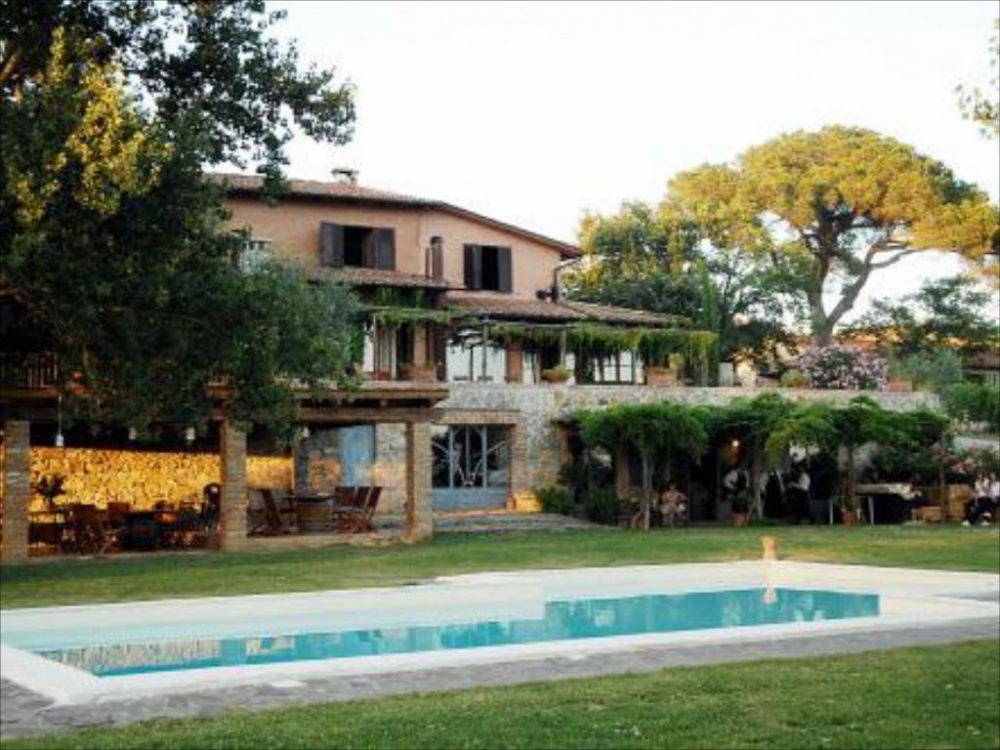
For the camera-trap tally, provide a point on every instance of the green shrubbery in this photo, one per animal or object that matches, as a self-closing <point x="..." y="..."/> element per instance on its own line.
<point x="555" y="499"/>
<point x="601" y="505"/>
<point x="973" y="403"/>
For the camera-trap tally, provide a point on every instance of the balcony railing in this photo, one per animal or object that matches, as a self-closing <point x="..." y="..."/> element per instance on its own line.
<point x="35" y="371"/>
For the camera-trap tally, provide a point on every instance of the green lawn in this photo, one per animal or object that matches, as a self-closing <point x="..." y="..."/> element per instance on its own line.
<point x="942" y="697"/>
<point x="114" y="579"/>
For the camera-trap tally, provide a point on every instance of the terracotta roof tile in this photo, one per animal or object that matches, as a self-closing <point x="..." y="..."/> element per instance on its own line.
<point x="373" y="277"/>
<point x="608" y="314"/>
<point x="339" y="191"/>
<point x="514" y="308"/>
<point x="314" y="188"/>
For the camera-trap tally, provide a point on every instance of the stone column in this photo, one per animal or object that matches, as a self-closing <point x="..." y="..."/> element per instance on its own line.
<point x="16" y="491"/>
<point x="419" y="498"/>
<point x="421" y="347"/>
<point x="521" y="496"/>
<point x="515" y="362"/>
<point x="233" y="510"/>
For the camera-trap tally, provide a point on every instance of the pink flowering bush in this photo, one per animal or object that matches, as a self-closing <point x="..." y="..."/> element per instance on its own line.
<point x="838" y="367"/>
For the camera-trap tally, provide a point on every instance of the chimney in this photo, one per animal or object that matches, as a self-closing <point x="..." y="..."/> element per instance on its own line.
<point x="345" y="176"/>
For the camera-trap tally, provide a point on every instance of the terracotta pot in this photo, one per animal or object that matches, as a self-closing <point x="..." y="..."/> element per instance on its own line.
<point x="902" y="386"/>
<point x="739" y="518"/>
<point x="661" y="376"/>
<point x="848" y="517"/>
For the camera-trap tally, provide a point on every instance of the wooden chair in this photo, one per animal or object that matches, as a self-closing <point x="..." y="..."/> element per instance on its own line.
<point x="91" y="533"/>
<point x="212" y="495"/>
<point x="256" y="513"/>
<point x="358" y="518"/>
<point x="117" y="514"/>
<point x="275" y="523"/>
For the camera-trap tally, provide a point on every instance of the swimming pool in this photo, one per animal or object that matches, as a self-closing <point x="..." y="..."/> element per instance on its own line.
<point x="75" y="654"/>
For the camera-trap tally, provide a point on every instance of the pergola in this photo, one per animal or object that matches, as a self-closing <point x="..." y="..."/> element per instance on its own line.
<point x="408" y="403"/>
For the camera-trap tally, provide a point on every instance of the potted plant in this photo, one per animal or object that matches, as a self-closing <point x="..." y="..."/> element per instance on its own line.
<point x="557" y="374"/>
<point x="426" y="372"/>
<point x="662" y="376"/>
<point x="741" y="507"/>
<point x="848" y="510"/>
<point x="794" y="379"/>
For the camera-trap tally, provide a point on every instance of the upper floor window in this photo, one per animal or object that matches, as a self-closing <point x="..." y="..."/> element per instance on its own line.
<point x="488" y="267"/>
<point x="356" y="246"/>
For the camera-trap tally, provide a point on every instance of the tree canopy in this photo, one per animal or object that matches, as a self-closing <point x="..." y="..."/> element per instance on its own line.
<point x="840" y="204"/>
<point x="209" y="71"/>
<point x="113" y="250"/>
<point x="980" y="106"/>
<point x="652" y="258"/>
<point x="944" y="313"/>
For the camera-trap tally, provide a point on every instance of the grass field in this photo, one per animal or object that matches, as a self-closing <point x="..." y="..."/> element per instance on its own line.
<point x="936" y="697"/>
<point x="942" y="697"/>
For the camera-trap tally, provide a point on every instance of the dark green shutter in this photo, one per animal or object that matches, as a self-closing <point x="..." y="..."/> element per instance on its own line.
<point x="331" y="245"/>
<point x="505" y="275"/>
<point x="473" y="267"/>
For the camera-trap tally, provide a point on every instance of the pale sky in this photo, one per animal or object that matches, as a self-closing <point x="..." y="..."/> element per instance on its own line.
<point x="533" y="112"/>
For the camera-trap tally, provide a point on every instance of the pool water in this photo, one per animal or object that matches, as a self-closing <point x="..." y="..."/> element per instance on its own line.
<point x="562" y="620"/>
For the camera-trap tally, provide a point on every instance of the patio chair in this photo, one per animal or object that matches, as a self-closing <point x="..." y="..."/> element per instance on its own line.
<point x="275" y="523"/>
<point x="91" y="533"/>
<point x="117" y="514"/>
<point x="358" y="518"/>
<point x="212" y="494"/>
<point x="256" y="513"/>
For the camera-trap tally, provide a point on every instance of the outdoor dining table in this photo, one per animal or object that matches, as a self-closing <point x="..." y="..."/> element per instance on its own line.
<point x="884" y="490"/>
<point x="313" y="513"/>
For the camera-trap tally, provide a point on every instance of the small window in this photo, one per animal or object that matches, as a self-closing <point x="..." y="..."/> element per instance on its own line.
<point x="488" y="267"/>
<point x="357" y="246"/>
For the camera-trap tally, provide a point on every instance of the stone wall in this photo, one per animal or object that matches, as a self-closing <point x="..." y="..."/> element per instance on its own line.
<point x="534" y="409"/>
<point x="144" y="477"/>
<point x="354" y="456"/>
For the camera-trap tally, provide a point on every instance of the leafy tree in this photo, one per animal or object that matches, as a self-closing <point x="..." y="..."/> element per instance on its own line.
<point x="205" y="68"/>
<point x="113" y="253"/>
<point x="837" y="205"/>
<point x="655" y="259"/>
<point x="862" y="420"/>
<point x="654" y="431"/>
<point x="978" y="106"/>
<point x="944" y="313"/>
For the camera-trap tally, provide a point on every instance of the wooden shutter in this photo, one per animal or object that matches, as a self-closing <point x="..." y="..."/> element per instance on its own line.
<point x="505" y="276"/>
<point x="435" y="259"/>
<point x="473" y="267"/>
<point x="385" y="249"/>
<point x="331" y="245"/>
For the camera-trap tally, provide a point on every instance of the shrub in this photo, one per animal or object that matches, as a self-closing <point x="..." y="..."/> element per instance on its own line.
<point x="934" y="370"/>
<point x="794" y="379"/>
<point x="973" y="403"/>
<point x="838" y="367"/>
<point x="602" y="506"/>
<point x="555" y="499"/>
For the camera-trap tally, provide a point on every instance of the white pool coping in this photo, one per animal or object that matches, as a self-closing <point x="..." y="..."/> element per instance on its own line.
<point x="909" y="598"/>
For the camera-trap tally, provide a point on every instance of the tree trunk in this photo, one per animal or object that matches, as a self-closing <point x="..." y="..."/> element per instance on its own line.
<point x="822" y="325"/>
